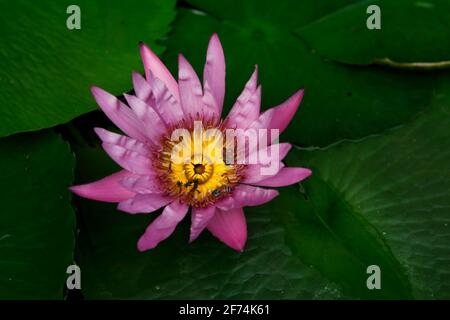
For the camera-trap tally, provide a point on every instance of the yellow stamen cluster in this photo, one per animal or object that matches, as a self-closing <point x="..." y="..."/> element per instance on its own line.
<point x="200" y="178"/>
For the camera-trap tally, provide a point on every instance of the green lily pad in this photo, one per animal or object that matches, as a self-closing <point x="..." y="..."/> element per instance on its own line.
<point x="46" y="69"/>
<point x="324" y="232"/>
<point x="37" y="223"/>
<point x="397" y="182"/>
<point x="340" y="101"/>
<point x="289" y="13"/>
<point x="413" y="34"/>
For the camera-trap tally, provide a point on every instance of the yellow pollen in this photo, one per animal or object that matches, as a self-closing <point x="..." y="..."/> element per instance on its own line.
<point x="198" y="179"/>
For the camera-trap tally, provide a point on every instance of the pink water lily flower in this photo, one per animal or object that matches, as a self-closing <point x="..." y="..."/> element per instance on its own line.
<point x="215" y="188"/>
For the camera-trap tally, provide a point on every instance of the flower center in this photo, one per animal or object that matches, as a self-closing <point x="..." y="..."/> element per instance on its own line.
<point x="196" y="177"/>
<point x="199" y="168"/>
<point x="198" y="171"/>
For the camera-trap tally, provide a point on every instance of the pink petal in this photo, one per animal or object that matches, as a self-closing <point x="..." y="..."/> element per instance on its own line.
<point x="107" y="189"/>
<point x="252" y="196"/>
<point x="278" y="117"/>
<point x="254" y="173"/>
<point x="141" y="184"/>
<point x="214" y="71"/>
<point x="226" y="203"/>
<point x="191" y="92"/>
<point x="141" y="87"/>
<point x="155" y="93"/>
<point x="285" y="177"/>
<point x="144" y="203"/>
<point x="122" y="141"/>
<point x="120" y="114"/>
<point x="283" y="150"/>
<point x="154" y="126"/>
<point x="238" y="107"/>
<point x="264" y="120"/>
<point x="200" y="219"/>
<point x="129" y="160"/>
<point x="159" y="70"/>
<point x="284" y="112"/>
<point x="165" y="104"/>
<point x="245" y="195"/>
<point x="163" y="226"/>
<point x="244" y="113"/>
<point x="250" y="138"/>
<point x="230" y="227"/>
<point x="210" y="108"/>
<point x="249" y="89"/>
